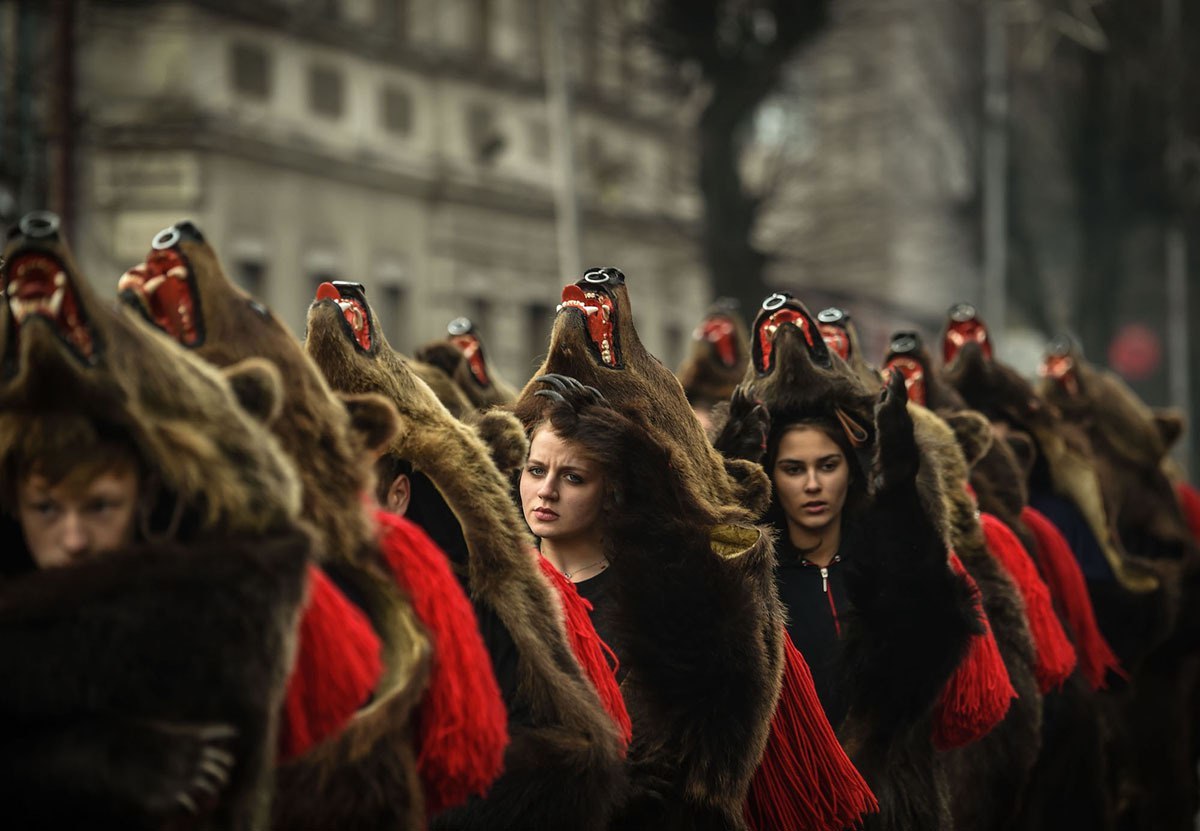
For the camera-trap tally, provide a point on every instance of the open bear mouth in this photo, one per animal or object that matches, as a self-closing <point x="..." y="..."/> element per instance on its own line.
<point x="1061" y="369"/>
<point x="163" y="288"/>
<point x="963" y="327"/>
<point x="472" y="349"/>
<point x="779" y="311"/>
<point x="913" y="373"/>
<point x="598" y="310"/>
<point x="351" y="300"/>
<point x="720" y="331"/>
<point x="37" y="284"/>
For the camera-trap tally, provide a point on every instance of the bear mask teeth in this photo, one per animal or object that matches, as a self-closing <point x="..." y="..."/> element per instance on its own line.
<point x="597" y="308"/>
<point x="162" y="287"/>
<point x="38" y="286"/>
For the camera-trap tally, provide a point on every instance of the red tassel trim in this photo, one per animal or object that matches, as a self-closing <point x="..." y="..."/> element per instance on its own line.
<point x="462" y="725"/>
<point x="337" y="667"/>
<point x="805" y="779"/>
<point x="1069" y="590"/>
<point x="978" y="695"/>
<point x="1056" y="657"/>
<point x="1189" y="500"/>
<point x="594" y="655"/>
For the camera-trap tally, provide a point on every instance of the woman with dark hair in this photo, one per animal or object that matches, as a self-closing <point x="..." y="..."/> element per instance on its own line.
<point x="816" y="479"/>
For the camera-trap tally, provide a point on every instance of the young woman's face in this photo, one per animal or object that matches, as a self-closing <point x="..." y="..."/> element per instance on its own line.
<point x="811" y="477"/>
<point x="562" y="491"/>
<point x="64" y="526"/>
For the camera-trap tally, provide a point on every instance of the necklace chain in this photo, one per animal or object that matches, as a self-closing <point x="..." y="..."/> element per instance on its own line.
<point x="570" y="574"/>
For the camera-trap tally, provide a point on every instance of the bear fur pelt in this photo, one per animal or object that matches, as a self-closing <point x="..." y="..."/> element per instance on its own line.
<point x="462" y="357"/>
<point x="149" y="680"/>
<point x="718" y="356"/>
<point x="988" y="778"/>
<point x="198" y="305"/>
<point x="562" y="767"/>
<point x="700" y="625"/>
<point x="912" y="616"/>
<point x="1073" y="725"/>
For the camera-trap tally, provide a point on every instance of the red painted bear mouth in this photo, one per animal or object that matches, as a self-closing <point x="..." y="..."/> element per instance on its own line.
<point x="836" y="338"/>
<point x="598" y="311"/>
<point x="964" y="327"/>
<point x="164" y="290"/>
<point x="472" y="349"/>
<point x="37" y="285"/>
<point x="914" y="376"/>
<point x="1061" y="369"/>
<point x="355" y="314"/>
<point x="720" y="331"/>
<point x="769" y="327"/>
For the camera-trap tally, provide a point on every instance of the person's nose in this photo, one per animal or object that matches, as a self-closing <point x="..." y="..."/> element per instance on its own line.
<point x="546" y="490"/>
<point x="75" y="539"/>
<point x="811" y="483"/>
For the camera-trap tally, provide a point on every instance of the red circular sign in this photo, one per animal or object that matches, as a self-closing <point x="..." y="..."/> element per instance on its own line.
<point x="1135" y="352"/>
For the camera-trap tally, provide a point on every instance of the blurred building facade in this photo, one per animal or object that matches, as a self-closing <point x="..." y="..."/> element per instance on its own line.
<point x="404" y="144"/>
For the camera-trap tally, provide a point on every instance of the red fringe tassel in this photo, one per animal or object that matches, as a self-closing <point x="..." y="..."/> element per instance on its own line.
<point x="1069" y="590"/>
<point x="805" y="779"/>
<point x="1056" y="657"/>
<point x="978" y="695"/>
<point x="1189" y="500"/>
<point x="337" y="667"/>
<point x="594" y="655"/>
<point x="462" y="724"/>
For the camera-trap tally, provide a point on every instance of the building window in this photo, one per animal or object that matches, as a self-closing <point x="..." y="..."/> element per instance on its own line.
<point x="250" y="68"/>
<point x="539" y="140"/>
<point x="486" y="140"/>
<point x="325" y="91"/>
<point x="393" y="316"/>
<point x="541" y="319"/>
<point x="251" y="275"/>
<point x="395" y="110"/>
<point x="480" y="12"/>
<point x="391" y="18"/>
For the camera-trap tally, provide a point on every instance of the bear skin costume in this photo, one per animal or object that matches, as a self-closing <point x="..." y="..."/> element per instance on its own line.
<point x="1131" y="443"/>
<point x="1136" y="604"/>
<point x="913" y="617"/>
<point x="563" y="766"/>
<point x="461" y="356"/>
<point x="718" y="358"/>
<point x="365" y="775"/>
<point x="695" y="618"/>
<point x="150" y="678"/>
<point x="1069" y="782"/>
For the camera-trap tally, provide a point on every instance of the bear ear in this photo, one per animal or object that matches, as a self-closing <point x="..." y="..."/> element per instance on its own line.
<point x="1170" y="426"/>
<point x="258" y="386"/>
<point x="1023" y="448"/>
<point x="974" y="434"/>
<point x="373" y="419"/>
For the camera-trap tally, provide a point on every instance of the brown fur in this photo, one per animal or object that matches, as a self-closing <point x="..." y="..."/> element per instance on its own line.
<point x="987" y="778"/>
<point x="911" y="617"/>
<point x="569" y="745"/>
<point x="705" y="378"/>
<point x="736" y="490"/>
<point x="315" y="429"/>
<point x="713" y="641"/>
<point x="447" y="357"/>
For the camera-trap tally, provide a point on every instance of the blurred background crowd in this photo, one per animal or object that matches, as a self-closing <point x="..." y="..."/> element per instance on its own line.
<point x="1039" y="158"/>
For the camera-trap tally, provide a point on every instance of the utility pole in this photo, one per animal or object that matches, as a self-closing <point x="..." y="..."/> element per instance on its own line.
<point x="1176" y="253"/>
<point x="995" y="166"/>
<point x="558" y="103"/>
